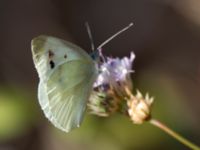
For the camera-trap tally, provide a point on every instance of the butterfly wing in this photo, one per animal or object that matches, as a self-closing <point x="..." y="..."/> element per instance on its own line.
<point x="68" y="93"/>
<point x="49" y="52"/>
<point x="44" y="101"/>
<point x="66" y="76"/>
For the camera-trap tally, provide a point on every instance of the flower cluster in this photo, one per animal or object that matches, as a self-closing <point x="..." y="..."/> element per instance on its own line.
<point x="108" y="89"/>
<point x="116" y="73"/>
<point x="112" y="91"/>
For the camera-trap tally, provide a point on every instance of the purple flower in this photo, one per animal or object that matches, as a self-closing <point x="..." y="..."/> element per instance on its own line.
<point x="110" y="87"/>
<point x="115" y="73"/>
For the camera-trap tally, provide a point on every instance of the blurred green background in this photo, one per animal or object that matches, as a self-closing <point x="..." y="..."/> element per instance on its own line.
<point x="165" y="39"/>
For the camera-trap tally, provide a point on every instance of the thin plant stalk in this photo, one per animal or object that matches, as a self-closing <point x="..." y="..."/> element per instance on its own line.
<point x="174" y="134"/>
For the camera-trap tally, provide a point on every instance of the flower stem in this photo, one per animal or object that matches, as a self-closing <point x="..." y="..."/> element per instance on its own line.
<point x="173" y="134"/>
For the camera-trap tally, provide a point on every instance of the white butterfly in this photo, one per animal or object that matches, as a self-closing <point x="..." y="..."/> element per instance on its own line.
<point x="67" y="74"/>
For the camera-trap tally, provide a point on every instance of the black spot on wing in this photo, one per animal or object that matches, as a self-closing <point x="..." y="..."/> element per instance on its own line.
<point x="65" y="56"/>
<point x="52" y="64"/>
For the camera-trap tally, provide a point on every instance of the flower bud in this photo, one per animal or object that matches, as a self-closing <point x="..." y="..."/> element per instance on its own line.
<point x="139" y="107"/>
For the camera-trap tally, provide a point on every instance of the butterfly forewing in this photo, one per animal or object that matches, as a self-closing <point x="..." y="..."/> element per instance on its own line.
<point x="49" y="52"/>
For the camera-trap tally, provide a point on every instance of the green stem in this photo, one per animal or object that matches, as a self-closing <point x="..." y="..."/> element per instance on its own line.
<point x="174" y="134"/>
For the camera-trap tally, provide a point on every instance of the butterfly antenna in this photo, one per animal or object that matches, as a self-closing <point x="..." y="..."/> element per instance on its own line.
<point x="115" y="35"/>
<point x="90" y="35"/>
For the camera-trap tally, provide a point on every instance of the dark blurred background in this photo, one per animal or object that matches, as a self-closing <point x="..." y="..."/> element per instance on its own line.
<point x="165" y="39"/>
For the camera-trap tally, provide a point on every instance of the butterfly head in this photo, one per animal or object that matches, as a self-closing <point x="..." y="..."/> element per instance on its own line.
<point x="98" y="56"/>
<point x="95" y="55"/>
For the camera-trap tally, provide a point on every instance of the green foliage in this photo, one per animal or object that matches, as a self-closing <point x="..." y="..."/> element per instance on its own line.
<point x="17" y="112"/>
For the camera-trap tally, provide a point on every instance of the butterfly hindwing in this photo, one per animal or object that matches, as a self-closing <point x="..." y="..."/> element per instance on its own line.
<point x="44" y="101"/>
<point x="68" y="92"/>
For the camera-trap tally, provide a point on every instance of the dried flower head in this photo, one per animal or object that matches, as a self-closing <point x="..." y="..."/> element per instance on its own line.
<point x="139" y="107"/>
